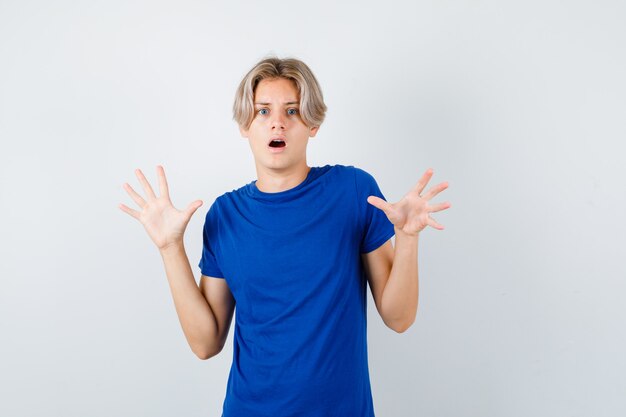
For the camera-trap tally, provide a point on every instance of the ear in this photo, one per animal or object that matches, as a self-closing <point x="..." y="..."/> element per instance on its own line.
<point x="314" y="131"/>
<point x="243" y="132"/>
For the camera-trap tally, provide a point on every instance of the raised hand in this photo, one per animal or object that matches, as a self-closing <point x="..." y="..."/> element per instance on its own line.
<point x="164" y="223"/>
<point x="412" y="214"/>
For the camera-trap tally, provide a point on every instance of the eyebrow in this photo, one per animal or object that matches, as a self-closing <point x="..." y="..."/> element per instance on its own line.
<point x="289" y="102"/>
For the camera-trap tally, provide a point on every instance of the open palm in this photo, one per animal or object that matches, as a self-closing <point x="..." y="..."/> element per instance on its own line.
<point x="164" y="223"/>
<point x="412" y="214"/>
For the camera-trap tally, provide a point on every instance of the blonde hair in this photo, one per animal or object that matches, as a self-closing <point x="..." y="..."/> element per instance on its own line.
<point x="312" y="107"/>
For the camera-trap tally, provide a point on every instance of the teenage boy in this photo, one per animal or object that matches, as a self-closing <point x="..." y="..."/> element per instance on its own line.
<point x="294" y="250"/>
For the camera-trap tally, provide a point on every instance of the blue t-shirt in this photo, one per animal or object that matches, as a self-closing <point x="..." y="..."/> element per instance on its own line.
<point x="292" y="260"/>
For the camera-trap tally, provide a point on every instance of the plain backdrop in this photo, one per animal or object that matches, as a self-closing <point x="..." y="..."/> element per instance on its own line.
<point x="519" y="105"/>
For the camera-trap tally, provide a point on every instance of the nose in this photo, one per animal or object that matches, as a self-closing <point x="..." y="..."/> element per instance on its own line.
<point x="278" y="121"/>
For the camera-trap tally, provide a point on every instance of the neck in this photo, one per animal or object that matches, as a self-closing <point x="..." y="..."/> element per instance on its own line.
<point x="272" y="181"/>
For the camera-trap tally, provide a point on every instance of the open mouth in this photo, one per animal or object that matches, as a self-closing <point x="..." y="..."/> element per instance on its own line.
<point x="277" y="143"/>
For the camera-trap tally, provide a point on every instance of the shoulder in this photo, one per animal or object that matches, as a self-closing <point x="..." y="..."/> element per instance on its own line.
<point x="362" y="178"/>
<point x="234" y="196"/>
<point x="351" y="170"/>
<point x="215" y="210"/>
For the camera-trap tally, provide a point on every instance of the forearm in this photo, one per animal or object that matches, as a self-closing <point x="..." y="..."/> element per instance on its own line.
<point x="194" y="312"/>
<point x="401" y="292"/>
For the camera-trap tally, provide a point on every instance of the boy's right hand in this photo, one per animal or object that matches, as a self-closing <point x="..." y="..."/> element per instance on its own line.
<point x="164" y="223"/>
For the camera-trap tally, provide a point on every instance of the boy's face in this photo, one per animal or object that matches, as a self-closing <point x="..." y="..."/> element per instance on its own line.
<point x="277" y="115"/>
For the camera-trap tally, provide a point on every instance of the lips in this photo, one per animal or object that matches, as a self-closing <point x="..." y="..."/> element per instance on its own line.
<point x="277" y="142"/>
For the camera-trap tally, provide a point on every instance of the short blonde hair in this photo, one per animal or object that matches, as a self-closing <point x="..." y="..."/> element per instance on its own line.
<point x="312" y="107"/>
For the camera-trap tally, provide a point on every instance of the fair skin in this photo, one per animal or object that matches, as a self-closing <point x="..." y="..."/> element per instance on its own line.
<point x="205" y="311"/>
<point x="277" y="113"/>
<point x="392" y="272"/>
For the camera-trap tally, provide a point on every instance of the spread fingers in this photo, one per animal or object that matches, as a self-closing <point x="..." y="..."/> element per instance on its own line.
<point x="146" y="185"/>
<point x="133" y="194"/>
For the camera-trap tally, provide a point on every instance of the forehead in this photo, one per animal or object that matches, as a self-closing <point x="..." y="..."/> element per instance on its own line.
<point x="279" y="90"/>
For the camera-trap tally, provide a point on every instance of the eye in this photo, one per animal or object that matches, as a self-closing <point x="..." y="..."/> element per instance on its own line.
<point x="295" y="111"/>
<point x="263" y="109"/>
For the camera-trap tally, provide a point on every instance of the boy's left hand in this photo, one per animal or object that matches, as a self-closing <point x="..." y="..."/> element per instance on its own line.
<point x="411" y="214"/>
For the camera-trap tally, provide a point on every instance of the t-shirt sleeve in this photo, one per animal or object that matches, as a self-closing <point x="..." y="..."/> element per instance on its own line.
<point x="208" y="262"/>
<point x="376" y="227"/>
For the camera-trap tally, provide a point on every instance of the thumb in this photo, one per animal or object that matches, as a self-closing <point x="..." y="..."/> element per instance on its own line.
<point x="192" y="207"/>
<point x="378" y="203"/>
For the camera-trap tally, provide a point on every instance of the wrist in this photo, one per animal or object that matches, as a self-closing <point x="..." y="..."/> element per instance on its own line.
<point x="403" y="235"/>
<point x="172" y="247"/>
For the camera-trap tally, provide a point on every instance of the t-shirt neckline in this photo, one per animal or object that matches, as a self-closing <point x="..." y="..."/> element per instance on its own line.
<point x="254" y="191"/>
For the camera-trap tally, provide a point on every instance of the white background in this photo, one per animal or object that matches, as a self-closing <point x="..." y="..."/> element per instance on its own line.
<point x="520" y="106"/>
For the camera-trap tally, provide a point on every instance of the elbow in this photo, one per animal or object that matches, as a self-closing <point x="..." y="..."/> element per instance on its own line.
<point x="399" y="319"/>
<point x="401" y="326"/>
<point x="204" y="354"/>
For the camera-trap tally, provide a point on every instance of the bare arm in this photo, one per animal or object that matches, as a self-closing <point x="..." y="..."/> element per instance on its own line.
<point x="222" y="302"/>
<point x="194" y="311"/>
<point x="203" y="314"/>
<point x="393" y="273"/>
